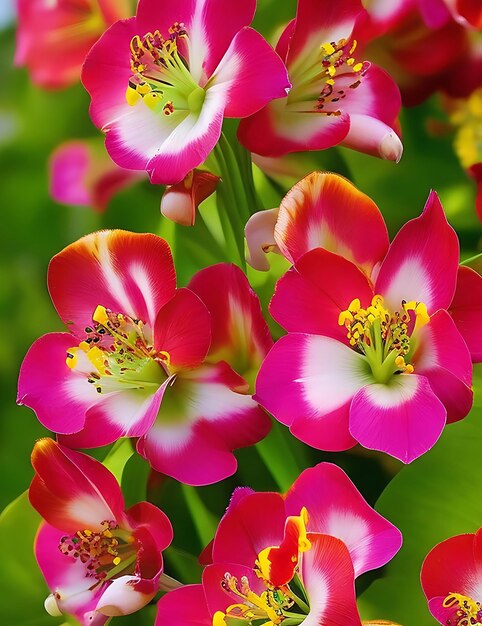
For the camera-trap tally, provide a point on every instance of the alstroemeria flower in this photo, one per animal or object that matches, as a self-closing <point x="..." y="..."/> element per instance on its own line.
<point x="162" y="82"/>
<point x="179" y="202"/>
<point x="377" y="357"/>
<point x="322" y="210"/>
<point x="83" y="175"/>
<point x="97" y="559"/>
<point x="289" y="558"/>
<point x="335" y="97"/>
<point x="53" y="38"/>
<point x="144" y="359"/>
<point x="452" y="580"/>
<point x="438" y="12"/>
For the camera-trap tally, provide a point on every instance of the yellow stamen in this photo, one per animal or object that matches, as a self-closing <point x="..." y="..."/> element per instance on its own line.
<point x="100" y="315"/>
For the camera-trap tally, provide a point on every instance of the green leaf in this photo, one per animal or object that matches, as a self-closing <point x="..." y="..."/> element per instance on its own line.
<point x="134" y="480"/>
<point x="475" y="262"/>
<point x="23" y="587"/>
<point x="116" y="459"/>
<point x="434" y="498"/>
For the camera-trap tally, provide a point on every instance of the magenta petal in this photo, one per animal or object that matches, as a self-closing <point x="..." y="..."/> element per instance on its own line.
<point x="307" y="378"/>
<point x="59" y="396"/>
<point x="185" y="606"/>
<point x="216" y="598"/>
<point x="252" y="524"/>
<point x="328" y="576"/>
<point x="154" y="520"/>
<point x="443" y="358"/>
<point x="466" y="310"/>
<point x="126" y="272"/>
<point x="403" y="418"/>
<point x="251" y="74"/>
<point x="183" y="330"/>
<point x="71" y="490"/>
<point x="65" y="575"/>
<point x="311" y="295"/>
<point x="336" y="507"/>
<point x="422" y="261"/>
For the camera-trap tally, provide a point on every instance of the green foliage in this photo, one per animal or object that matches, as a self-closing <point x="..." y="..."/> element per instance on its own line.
<point x="435" y="497"/>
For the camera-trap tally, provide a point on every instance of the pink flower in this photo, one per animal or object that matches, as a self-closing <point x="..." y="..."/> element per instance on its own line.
<point x="452" y="580"/>
<point x="144" y="359"/>
<point x="81" y="175"/>
<point x="379" y="340"/>
<point x="438" y="12"/>
<point x="53" y="38"/>
<point x="336" y="98"/>
<point x="180" y="202"/>
<point x="285" y="557"/>
<point x="162" y="82"/>
<point x="97" y="559"/>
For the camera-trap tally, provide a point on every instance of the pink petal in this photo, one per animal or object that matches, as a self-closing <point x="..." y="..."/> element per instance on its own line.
<point x="328" y="577"/>
<point x="183" y="329"/>
<point x="59" y="396"/>
<point x="259" y="233"/>
<point x="185" y="606"/>
<point x="422" y="261"/>
<point x="119" y="414"/>
<point x="443" y="358"/>
<point x="403" y="418"/>
<point x="69" y="165"/>
<point x="211" y="27"/>
<point x="129" y="273"/>
<point x="370" y="135"/>
<point x="453" y="566"/>
<point x="336" y="507"/>
<point x="145" y="514"/>
<point x="240" y="335"/>
<point x="307" y="379"/>
<point x="275" y="130"/>
<point x="65" y="575"/>
<point x="254" y="523"/>
<point x="71" y="490"/>
<point x="466" y="310"/>
<point x="216" y="598"/>
<point x="126" y="595"/>
<point x="311" y="295"/>
<point x="201" y="420"/>
<point x="251" y="74"/>
<point x="315" y="27"/>
<point x="180" y="202"/>
<point x="325" y="210"/>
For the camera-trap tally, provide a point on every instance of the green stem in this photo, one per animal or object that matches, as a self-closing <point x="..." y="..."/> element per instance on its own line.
<point x="303" y="606"/>
<point x="278" y="457"/>
<point x="203" y="520"/>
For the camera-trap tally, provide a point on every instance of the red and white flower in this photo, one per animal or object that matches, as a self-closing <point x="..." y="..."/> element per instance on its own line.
<point x="335" y="98"/>
<point x="163" y="81"/>
<point x="53" y="38"/>
<point x="452" y="580"/>
<point x="379" y="341"/>
<point x="144" y="359"/>
<point x="289" y="558"/>
<point x="98" y="559"/>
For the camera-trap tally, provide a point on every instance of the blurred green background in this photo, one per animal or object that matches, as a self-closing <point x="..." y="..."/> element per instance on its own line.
<point x="34" y="228"/>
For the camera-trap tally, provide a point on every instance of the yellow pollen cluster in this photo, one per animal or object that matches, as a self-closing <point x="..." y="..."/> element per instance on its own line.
<point x="467" y="117"/>
<point x="336" y="60"/>
<point x="467" y="612"/>
<point x="377" y="330"/>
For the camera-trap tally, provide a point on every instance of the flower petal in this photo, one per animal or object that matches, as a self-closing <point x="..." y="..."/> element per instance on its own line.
<point x="217" y="598"/>
<point x="126" y="595"/>
<point x="325" y="210"/>
<point x="71" y="490"/>
<point x="251" y="74"/>
<point x="403" y="418"/>
<point x="240" y="336"/>
<point x="310" y="296"/>
<point x="422" y="261"/>
<point x="259" y="233"/>
<point x="201" y="420"/>
<point x="65" y="576"/>
<point x="466" y="310"/>
<point x="129" y="273"/>
<point x="211" y="26"/>
<point x="336" y="507"/>
<point x="328" y="577"/>
<point x="145" y="514"/>
<point x="183" y="329"/>
<point x="443" y="358"/>
<point x="252" y="524"/>
<point x="59" y="396"/>
<point x="307" y="380"/>
<point x="185" y="606"/>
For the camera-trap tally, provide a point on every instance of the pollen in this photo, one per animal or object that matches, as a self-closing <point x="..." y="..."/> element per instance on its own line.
<point x="467" y="612"/>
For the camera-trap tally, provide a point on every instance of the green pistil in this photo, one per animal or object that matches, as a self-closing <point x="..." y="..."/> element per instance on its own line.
<point x="195" y="100"/>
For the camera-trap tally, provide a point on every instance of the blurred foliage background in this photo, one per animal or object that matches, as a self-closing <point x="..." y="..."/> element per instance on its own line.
<point x="32" y="124"/>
